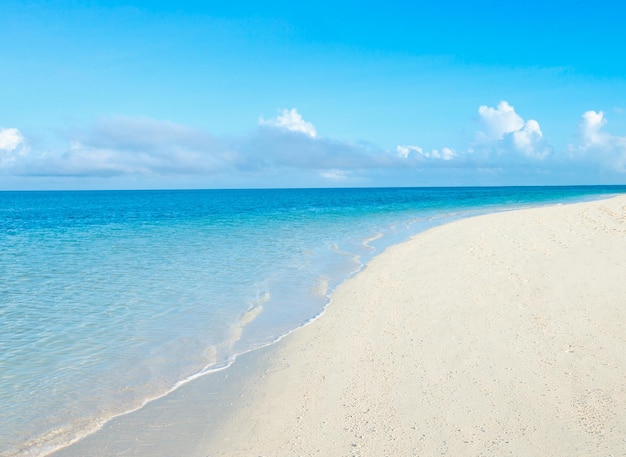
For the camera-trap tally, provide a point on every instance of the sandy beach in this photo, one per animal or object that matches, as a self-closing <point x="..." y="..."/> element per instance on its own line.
<point x="502" y="334"/>
<point x="498" y="335"/>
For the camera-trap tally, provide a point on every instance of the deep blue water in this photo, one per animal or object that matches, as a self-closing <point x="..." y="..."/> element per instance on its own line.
<point x="109" y="299"/>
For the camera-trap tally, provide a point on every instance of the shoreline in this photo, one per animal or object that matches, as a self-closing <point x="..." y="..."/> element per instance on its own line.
<point x="537" y="377"/>
<point x="267" y="366"/>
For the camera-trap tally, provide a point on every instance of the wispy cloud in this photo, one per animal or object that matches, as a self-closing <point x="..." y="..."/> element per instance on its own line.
<point x="286" y="148"/>
<point x="126" y="146"/>
<point x="288" y="145"/>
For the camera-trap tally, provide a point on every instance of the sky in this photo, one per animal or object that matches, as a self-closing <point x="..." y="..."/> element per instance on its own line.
<point x="202" y="94"/>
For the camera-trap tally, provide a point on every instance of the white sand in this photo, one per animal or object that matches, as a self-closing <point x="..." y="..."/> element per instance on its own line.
<point x="499" y="335"/>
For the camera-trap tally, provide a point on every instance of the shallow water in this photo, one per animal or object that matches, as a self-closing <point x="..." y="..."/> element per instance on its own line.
<point x="109" y="299"/>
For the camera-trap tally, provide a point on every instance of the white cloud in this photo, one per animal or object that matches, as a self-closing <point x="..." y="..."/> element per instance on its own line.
<point x="529" y="139"/>
<point x="10" y="139"/>
<point x="291" y="120"/>
<point x="12" y="147"/>
<point x="287" y="149"/>
<point x="404" y="151"/>
<point x="506" y="131"/>
<point x="447" y="154"/>
<point x="591" y="126"/>
<point x="408" y="151"/>
<point x="504" y="139"/>
<point x="500" y="121"/>
<point x="124" y="146"/>
<point x="334" y="175"/>
<point x="597" y="145"/>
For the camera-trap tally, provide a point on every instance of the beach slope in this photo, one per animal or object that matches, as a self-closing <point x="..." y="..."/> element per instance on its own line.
<point x="502" y="334"/>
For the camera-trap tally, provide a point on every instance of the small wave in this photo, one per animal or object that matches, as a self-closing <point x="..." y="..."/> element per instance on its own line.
<point x="367" y="241"/>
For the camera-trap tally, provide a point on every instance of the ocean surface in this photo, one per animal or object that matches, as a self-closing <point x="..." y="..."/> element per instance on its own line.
<point x="111" y="299"/>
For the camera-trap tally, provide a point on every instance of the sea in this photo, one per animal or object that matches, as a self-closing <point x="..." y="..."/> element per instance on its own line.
<point x="111" y="299"/>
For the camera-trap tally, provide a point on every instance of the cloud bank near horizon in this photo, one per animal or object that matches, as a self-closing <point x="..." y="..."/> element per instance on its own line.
<point x="287" y="143"/>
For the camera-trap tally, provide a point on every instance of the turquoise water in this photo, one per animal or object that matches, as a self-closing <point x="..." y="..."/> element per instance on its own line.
<point x="110" y="299"/>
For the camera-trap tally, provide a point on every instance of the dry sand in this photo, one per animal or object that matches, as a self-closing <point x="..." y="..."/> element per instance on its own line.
<point x="498" y="335"/>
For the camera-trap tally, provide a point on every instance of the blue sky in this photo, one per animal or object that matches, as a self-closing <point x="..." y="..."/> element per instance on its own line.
<point x="192" y="94"/>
